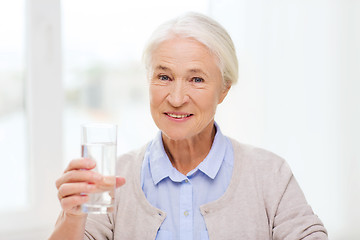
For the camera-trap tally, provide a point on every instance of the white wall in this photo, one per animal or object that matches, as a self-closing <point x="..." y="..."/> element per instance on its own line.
<point x="298" y="96"/>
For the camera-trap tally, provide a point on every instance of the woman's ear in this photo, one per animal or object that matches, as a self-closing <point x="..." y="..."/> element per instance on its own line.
<point x="224" y="92"/>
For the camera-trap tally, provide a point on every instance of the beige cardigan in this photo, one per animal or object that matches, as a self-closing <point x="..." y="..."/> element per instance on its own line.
<point x="263" y="201"/>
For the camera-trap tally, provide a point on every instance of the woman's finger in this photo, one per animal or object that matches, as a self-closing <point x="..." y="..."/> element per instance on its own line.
<point x="79" y="176"/>
<point x="71" y="189"/>
<point x="120" y="181"/>
<point x="72" y="204"/>
<point x="80" y="163"/>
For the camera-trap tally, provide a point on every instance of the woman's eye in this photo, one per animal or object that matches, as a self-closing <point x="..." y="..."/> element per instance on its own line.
<point x="164" y="77"/>
<point x="198" y="80"/>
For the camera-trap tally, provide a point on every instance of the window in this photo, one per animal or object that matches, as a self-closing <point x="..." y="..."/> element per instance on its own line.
<point x="30" y="119"/>
<point x="13" y="129"/>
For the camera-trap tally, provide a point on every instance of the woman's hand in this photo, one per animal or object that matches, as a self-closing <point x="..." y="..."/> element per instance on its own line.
<point x="77" y="182"/>
<point x="73" y="187"/>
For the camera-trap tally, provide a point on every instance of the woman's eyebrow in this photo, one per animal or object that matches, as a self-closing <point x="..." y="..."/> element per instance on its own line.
<point x="198" y="70"/>
<point x="163" y="68"/>
<point x="192" y="70"/>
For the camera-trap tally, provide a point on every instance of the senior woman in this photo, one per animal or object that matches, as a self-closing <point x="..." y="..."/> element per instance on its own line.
<point x="191" y="181"/>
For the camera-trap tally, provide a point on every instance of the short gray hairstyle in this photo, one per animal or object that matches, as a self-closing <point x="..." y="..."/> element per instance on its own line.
<point x="204" y="30"/>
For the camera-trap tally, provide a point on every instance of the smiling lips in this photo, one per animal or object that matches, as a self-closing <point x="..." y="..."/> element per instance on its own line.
<point x="178" y="116"/>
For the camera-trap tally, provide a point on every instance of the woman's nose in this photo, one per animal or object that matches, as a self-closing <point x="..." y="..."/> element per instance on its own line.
<point x="178" y="95"/>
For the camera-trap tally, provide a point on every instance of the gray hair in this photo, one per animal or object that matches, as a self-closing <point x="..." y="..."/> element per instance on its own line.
<point x="204" y="30"/>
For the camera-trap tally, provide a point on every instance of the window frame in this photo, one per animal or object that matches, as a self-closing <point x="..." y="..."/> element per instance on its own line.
<point x="43" y="94"/>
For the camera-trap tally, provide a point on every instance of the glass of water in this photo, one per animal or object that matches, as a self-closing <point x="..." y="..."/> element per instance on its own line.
<point x="98" y="142"/>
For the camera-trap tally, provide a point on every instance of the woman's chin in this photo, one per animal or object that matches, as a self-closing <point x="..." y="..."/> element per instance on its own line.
<point x="175" y="135"/>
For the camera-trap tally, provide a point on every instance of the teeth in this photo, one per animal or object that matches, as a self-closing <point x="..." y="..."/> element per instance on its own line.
<point x="178" y="116"/>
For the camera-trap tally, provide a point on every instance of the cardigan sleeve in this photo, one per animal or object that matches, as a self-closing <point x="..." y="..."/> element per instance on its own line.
<point x="294" y="218"/>
<point x="99" y="227"/>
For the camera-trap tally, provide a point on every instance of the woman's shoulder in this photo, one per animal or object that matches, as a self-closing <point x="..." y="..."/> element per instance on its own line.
<point x="261" y="159"/>
<point x="270" y="171"/>
<point x="135" y="153"/>
<point x="130" y="161"/>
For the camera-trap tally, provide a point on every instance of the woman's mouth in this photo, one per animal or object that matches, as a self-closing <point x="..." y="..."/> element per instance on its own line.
<point x="178" y="115"/>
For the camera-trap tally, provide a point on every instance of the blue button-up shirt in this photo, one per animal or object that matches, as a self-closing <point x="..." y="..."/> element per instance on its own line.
<point x="181" y="196"/>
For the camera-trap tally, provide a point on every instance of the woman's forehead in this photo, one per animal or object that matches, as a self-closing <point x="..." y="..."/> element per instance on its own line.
<point x="190" y="69"/>
<point x="183" y="51"/>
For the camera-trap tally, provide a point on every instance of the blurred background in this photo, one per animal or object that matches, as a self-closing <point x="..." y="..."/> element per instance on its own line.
<point x="65" y="63"/>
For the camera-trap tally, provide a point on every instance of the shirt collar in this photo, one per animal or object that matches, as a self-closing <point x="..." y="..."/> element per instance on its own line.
<point x="212" y="163"/>
<point x="161" y="167"/>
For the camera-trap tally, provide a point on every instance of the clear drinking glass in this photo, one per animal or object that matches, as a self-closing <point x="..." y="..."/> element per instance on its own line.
<point x="98" y="142"/>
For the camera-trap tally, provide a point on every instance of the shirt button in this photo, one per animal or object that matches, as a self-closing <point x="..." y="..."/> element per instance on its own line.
<point x="186" y="180"/>
<point x="186" y="213"/>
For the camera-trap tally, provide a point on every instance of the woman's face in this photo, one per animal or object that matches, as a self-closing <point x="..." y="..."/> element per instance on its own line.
<point x="185" y="88"/>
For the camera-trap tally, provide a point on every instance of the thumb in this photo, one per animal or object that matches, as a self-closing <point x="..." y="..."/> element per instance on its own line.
<point x="120" y="181"/>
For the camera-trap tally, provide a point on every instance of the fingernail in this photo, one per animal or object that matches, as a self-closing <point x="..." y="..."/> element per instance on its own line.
<point x="91" y="163"/>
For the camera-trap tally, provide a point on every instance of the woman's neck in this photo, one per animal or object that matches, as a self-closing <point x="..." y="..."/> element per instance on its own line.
<point x="187" y="154"/>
